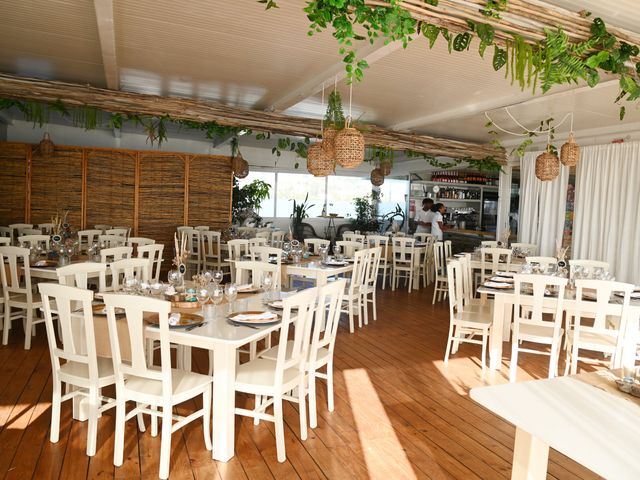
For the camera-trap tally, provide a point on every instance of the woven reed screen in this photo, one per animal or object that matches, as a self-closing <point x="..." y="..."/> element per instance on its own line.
<point x="110" y="188"/>
<point x="161" y="197"/>
<point x="56" y="185"/>
<point x="210" y="191"/>
<point x="13" y="182"/>
<point x="99" y="186"/>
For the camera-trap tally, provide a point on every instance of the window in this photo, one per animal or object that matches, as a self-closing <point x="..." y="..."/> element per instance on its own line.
<point x="296" y="186"/>
<point x="342" y="190"/>
<point x="393" y="192"/>
<point x="267" y="207"/>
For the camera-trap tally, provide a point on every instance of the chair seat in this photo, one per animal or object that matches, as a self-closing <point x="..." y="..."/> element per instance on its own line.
<point x="537" y="333"/>
<point x="272" y="353"/>
<point x="593" y="340"/>
<point x="260" y="373"/>
<point x="473" y="319"/>
<point x="185" y="384"/>
<point x="78" y="373"/>
<point x="20" y="300"/>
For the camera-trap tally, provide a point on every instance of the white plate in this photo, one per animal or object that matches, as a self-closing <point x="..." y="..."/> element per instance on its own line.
<point x="633" y="296"/>
<point x="333" y="263"/>
<point x="504" y="274"/>
<point x="254" y="317"/>
<point x="502" y="279"/>
<point x="499" y="285"/>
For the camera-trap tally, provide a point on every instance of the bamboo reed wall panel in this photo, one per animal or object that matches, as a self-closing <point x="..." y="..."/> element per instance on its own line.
<point x="56" y="185"/>
<point x="13" y="182"/>
<point x="161" y="198"/>
<point x="210" y="191"/>
<point x="110" y="197"/>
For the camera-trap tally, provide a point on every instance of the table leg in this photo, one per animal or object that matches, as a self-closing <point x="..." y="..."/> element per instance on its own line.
<point x="224" y="402"/>
<point x="495" y="337"/>
<point x="530" y="457"/>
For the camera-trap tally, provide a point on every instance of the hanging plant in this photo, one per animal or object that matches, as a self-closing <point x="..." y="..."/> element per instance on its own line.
<point x="333" y="122"/>
<point x="239" y="165"/>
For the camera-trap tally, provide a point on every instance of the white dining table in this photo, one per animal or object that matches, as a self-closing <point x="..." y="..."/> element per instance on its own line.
<point x="588" y="424"/>
<point x="315" y="270"/>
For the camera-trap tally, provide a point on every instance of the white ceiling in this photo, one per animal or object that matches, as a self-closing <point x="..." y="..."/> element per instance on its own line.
<point x="236" y="53"/>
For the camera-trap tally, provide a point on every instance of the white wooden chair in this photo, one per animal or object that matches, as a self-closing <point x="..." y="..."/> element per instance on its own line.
<point x="530" y="248"/>
<point x="154" y="253"/>
<point x="352" y="299"/>
<point x="5" y="232"/>
<point x="277" y="238"/>
<point x="103" y="228"/>
<point x="252" y="271"/>
<point x="15" y="229"/>
<point x="139" y="241"/>
<point x="194" y="247"/>
<point x="29" y="231"/>
<point x="32" y="241"/>
<point x="599" y="333"/>
<point x="440" y="287"/>
<point x="588" y="266"/>
<point x="139" y="268"/>
<point x="78" y="275"/>
<point x="202" y="228"/>
<point x="285" y="379"/>
<point x="152" y="387"/>
<point x="46" y="228"/>
<point x="421" y="237"/>
<point x="493" y="260"/>
<point x="370" y="283"/>
<point x="529" y="325"/>
<point x="403" y="252"/>
<point x="490" y="244"/>
<point x="182" y="229"/>
<point x="267" y="254"/>
<point x="257" y="242"/>
<point x="238" y="248"/>
<point x="82" y="368"/>
<point x="386" y="264"/>
<point x="212" y="252"/>
<point x="354" y="237"/>
<point x="14" y="266"/>
<point x="447" y="249"/>
<point x="315" y="244"/>
<point x="119" y="231"/>
<point x="108" y="255"/>
<point x="349" y="247"/>
<point x="111" y="241"/>
<point x="464" y="325"/>
<point x="470" y="303"/>
<point x="5" y="241"/>
<point x="325" y="330"/>
<point x="543" y="262"/>
<point x="86" y="238"/>
<point x="266" y="234"/>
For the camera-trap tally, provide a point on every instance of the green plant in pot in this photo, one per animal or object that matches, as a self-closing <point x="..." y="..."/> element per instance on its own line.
<point x="299" y="213"/>
<point x="246" y="200"/>
<point x="333" y="122"/>
<point x="366" y="218"/>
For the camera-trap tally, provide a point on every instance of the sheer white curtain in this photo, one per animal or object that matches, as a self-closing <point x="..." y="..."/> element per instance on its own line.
<point x="542" y="206"/>
<point x="606" y="225"/>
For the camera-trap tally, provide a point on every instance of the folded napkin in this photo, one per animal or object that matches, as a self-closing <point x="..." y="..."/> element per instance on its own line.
<point x="254" y="316"/>
<point x="276" y="304"/>
<point x="245" y="286"/>
<point x="174" y="319"/>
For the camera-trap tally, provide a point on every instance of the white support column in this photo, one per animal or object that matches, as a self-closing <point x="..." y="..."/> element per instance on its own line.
<point x="504" y="200"/>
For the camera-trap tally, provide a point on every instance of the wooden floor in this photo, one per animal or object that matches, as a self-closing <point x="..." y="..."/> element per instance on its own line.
<point x="400" y="413"/>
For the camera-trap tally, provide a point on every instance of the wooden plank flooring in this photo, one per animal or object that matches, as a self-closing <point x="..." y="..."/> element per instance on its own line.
<point x="400" y="414"/>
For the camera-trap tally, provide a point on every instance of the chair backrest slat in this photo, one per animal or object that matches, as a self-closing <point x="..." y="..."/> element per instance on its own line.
<point x="78" y="274"/>
<point x="154" y="253"/>
<point x="115" y="253"/>
<point x="17" y="261"/>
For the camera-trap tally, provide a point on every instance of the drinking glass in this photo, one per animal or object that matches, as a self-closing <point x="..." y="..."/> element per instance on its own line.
<point x="598" y="272"/>
<point x="216" y="293"/>
<point x="202" y="295"/>
<point x="267" y="285"/>
<point x="130" y="285"/>
<point x="145" y="288"/>
<point x="231" y="292"/>
<point x="217" y="276"/>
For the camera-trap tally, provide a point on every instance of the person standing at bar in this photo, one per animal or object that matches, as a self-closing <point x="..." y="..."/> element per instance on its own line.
<point x="424" y="217"/>
<point x="437" y="221"/>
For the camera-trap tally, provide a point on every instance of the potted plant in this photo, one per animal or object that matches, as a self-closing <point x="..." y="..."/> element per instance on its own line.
<point x="366" y="218"/>
<point x="299" y="213"/>
<point x="246" y="201"/>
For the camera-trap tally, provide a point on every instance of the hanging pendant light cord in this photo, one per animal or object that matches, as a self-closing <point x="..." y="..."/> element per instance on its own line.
<point x="322" y="117"/>
<point x="350" y="97"/>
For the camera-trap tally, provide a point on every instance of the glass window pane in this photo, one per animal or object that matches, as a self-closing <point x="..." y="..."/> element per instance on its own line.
<point x="267" y="207"/>
<point x="394" y="192"/>
<point x="342" y="190"/>
<point x="295" y="186"/>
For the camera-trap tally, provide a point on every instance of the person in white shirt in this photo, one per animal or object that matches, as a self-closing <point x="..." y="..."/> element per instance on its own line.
<point x="423" y="217"/>
<point x="437" y="222"/>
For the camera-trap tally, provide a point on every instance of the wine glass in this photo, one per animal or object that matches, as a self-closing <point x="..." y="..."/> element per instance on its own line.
<point x="216" y="293"/>
<point x="130" y="285"/>
<point x="267" y="285"/>
<point x="202" y="295"/>
<point x="217" y="276"/>
<point x="231" y="292"/>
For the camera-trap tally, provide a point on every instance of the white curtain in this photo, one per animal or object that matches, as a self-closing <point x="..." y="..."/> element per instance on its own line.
<point x="606" y="225"/>
<point x="542" y="206"/>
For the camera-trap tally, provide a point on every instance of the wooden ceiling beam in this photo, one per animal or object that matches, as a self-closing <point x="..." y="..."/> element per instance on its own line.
<point x="107" y="35"/>
<point x="74" y="95"/>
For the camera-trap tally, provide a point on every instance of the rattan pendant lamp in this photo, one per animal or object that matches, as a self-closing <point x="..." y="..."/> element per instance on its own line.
<point x="570" y="151"/>
<point x="239" y="165"/>
<point x="547" y="163"/>
<point x="349" y="142"/>
<point x="319" y="160"/>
